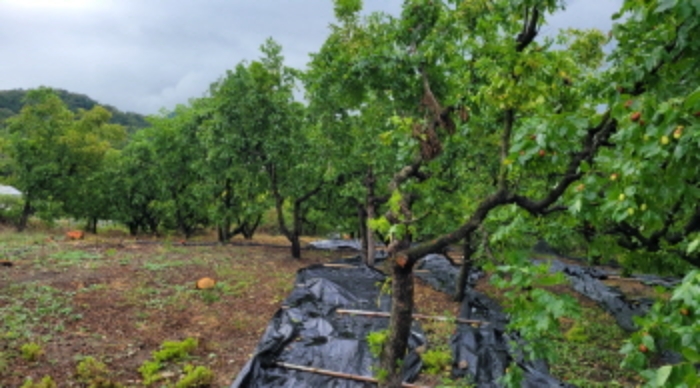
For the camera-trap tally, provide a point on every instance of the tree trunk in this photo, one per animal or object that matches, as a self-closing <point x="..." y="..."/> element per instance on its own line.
<point x="249" y="230"/>
<point x="296" y="246"/>
<point x="370" y="236"/>
<point x="370" y="213"/>
<point x="394" y="350"/>
<point x="24" y="218"/>
<point x="91" y="225"/>
<point x="362" y="221"/>
<point x="223" y="232"/>
<point x="467" y="263"/>
<point x="296" y="231"/>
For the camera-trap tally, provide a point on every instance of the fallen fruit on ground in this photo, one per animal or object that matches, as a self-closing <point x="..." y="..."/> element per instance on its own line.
<point x="205" y="283"/>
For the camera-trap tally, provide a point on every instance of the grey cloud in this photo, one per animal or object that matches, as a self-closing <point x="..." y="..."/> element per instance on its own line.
<point x="142" y="55"/>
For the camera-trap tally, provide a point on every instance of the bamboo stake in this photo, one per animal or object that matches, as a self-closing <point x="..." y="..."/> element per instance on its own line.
<point x="340" y="265"/>
<point x="340" y="374"/>
<point x="418" y="316"/>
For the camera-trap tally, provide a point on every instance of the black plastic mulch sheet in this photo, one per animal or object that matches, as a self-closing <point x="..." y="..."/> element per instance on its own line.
<point x="481" y="352"/>
<point x="336" y="244"/>
<point x="587" y="282"/>
<point x="441" y="273"/>
<point x="309" y="332"/>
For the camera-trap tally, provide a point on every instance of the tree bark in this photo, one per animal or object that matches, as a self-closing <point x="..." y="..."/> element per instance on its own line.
<point x="467" y="264"/>
<point x="399" y="325"/>
<point x="24" y="218"/>
<point x="362" y="223"/>
<point x="370" y="213"/>
<point x="91" y="225"/>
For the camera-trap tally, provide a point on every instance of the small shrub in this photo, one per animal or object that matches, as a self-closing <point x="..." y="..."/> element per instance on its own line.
<point x="95" y="374"/>
<point x="196" y="377"/>
<point x="173" y="350"/>
<point x="31" y="351"/>
<point x="46" y="382"/>
<point x="10" y="209"/>
<point x="436" y="361"/>
<point x="376" y="341"/>
<point x="169" y="351"/>
<point x="149" y="371"/>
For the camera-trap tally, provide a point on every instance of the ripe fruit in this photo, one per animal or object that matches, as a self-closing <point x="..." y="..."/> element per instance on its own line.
<point x="580" y="187"/>
<point x="622" y="197"/>
<point x="684" y="311"/>
<point x="205" y="283"/>
<point x="628" y="103"/>
<point x="614" y="177"/>
<point x="643" y="348"/>
<point x="542" y="152"/>
<point x="664" y="140"/>
<point x="678" y="132"/>
<point x="635" y="116"/>
<point x="643" y="207"/>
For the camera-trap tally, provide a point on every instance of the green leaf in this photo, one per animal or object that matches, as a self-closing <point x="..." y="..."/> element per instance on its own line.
<point x="691" y="355"/>
<point x="692" y="100"/>
<point x="693" y="246"/>
<point x="663" y="374"/>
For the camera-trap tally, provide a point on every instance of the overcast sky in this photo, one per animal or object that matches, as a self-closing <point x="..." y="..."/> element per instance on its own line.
<point x="144" y="55"/>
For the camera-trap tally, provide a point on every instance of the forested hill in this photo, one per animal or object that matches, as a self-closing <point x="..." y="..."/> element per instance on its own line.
<point x="11" y="102"/>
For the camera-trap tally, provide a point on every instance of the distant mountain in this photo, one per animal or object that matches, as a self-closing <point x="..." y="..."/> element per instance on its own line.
<point x="11" y="102"/>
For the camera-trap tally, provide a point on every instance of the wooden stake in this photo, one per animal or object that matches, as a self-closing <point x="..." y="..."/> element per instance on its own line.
<point x="418" y="316"/>
<point x="340" y="374"/>
<point x="340" y="265"/>
<point x="622" y="278"/>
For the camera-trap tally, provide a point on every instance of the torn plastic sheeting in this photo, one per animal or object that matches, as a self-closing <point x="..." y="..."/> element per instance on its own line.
<point x="484" y="353"/>
<point x="308" y="332"/>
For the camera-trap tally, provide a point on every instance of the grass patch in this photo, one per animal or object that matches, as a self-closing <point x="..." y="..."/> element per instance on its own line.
<point x="590" y="354"/>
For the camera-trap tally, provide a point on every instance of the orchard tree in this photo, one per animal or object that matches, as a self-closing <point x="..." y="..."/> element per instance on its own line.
<point x="234" y="177"/>
<point x="55" y="153"/>
<point x="268" y="136"/>
<point x="183" y="197"/>
<point x="643" y="192"/>
<point x="136" y="184"/>
<point x="530" y="111"/>
<point x="515" y="117"/>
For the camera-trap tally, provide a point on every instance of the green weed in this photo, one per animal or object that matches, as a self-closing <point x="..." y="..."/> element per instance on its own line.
<point x="437" y="361"/>
<point x="376" y="341"/>
<point x="169" y="351"/>
<point x="31" y="351"/>
<point x="195" y="377"/>
<point x="46" y="382"/>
